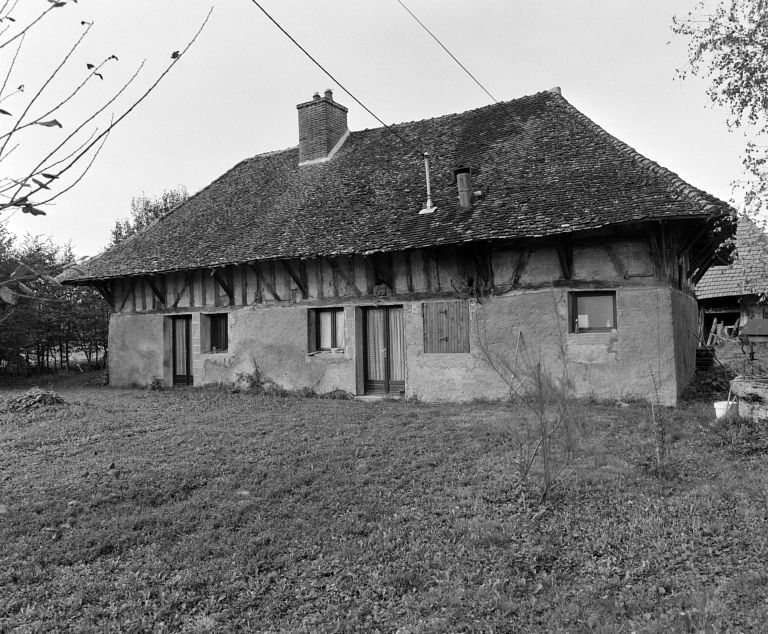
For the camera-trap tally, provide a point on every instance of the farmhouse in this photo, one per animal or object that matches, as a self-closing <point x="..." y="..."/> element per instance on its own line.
<point x="327" y="265"/>
<point x="731" y="294"/>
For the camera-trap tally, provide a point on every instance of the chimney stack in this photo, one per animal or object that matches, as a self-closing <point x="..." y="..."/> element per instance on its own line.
<point x="322" y="128"/>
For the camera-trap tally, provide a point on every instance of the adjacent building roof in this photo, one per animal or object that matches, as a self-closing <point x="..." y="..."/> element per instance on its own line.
<point x="542" y="167"/>
<point x="748" y="275"/>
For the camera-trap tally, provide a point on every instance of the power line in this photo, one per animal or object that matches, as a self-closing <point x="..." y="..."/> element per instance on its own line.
<point x="434" y="37"/>
<point x="337" y="82"/>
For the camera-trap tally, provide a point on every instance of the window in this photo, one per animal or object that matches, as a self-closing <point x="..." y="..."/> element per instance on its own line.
<point x="593" y="311"/>
<point x="446" y="326"/>
<point x="326" y="328"/>
<point x="214" y="333"/>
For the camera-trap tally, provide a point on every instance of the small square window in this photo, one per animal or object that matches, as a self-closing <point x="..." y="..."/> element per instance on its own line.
<point x="593" y="311"/>
<point x="327" y="328"/>
<point x="214" y="335"/>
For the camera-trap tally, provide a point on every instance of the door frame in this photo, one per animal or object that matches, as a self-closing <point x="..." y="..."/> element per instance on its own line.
<point x="363" y="368"/>
<point x="181" y="379"/>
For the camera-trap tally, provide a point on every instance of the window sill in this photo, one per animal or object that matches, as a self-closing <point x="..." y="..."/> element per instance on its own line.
<point x="596" y="336"/>
<point x="211" y="352"/>
<point x="339" y="351"/>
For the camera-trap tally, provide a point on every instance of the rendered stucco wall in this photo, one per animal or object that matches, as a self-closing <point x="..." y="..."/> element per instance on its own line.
<point x="685" y="314"/>
<point x="611" y="365"/>
<point x="648" y="345"/>
<point x="136" y="349"/>
<point x="274" y="340"/>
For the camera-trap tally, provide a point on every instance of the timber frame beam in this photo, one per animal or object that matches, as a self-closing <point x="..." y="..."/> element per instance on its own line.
<point x="700" y="263"/>
<point x="383" y="274"/>
<point x="187" y="284"/>
<point x="344" y="275"/>
<point x="216" y="274"/>
<point x="106" y="293"/>
<point x="264" y="280"/>
<point x="616" y="261"/>
<point x="300" y="278"/>
<point x="128" y="294"/>
<point x="564" y="250"/>
<point x="158" y="294"/>
<point x="481" y="257"/>
<point x="522" y="261"/>
<point x="656" y="251"/>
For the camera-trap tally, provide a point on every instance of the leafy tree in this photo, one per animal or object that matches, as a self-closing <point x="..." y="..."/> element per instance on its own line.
<point x="729" y="46"/>
<point x="49" y="323"/>
<point x="145" y="210"/>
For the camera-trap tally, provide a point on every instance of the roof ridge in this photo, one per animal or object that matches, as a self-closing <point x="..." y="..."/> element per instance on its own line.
<point x="708" y="201"/>
<point x="490" y="106"/>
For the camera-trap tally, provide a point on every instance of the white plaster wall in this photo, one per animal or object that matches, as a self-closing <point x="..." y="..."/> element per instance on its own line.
<point x="685" y="313"/>
<point x="531" y="326"/>
<point x="274" y="341"/>
<point x="617" y="365"/>
<point x="136" y="349"/>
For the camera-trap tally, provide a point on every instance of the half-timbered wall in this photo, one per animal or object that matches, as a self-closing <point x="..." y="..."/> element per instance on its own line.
<point x="447" y="271"/>
<point x="514" y="292"/>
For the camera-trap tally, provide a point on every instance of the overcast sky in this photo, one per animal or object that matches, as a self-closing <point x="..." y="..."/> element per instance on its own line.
<point x="233" y="95"/>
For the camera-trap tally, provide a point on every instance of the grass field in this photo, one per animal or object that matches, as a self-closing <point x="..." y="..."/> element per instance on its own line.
<point x="203" y="510"/>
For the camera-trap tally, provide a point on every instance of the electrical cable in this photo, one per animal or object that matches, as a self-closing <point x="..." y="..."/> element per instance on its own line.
<point x="337" y="82"/>
<point x="434" y="37"/>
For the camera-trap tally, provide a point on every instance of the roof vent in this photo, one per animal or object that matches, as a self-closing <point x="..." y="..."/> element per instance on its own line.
<point x="463" y="179"/>
<point x="322" y="128"/>
<point x="429" y="208"/>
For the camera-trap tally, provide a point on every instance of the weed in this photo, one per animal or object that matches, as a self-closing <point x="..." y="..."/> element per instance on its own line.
<point x="744" y="436"/>
<point x="155" y="384"/>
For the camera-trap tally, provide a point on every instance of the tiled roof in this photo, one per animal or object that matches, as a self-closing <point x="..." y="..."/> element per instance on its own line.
<point x="748" y="274"/>
<point x="543" y="168"/>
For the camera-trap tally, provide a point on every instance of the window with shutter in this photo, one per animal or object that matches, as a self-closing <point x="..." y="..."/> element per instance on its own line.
<point x="446" y="326"/>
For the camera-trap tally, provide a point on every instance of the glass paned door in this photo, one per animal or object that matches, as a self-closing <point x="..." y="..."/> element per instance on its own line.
<point x="182" y="371"/>
<point x="384" y="350"/>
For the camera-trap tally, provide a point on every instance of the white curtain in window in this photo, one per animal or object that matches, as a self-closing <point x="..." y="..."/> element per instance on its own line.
<point x="326" y="329"/>
<point x="339" y="329"/>
<point x="397" y="344"/>
<point x="376" y="344"/>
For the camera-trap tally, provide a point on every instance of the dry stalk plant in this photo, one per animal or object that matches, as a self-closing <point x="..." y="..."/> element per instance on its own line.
<point x="659" y="434"/>
<point x="545" y="436"/>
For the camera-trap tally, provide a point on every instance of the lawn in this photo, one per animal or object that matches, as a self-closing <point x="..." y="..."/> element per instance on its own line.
<point x="205" y="510"/>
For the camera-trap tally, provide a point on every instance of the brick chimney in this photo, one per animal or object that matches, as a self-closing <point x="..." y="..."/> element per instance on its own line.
<point x="322" y="128"/>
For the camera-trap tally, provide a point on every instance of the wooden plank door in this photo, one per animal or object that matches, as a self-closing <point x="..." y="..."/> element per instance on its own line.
<point x="384" y="350"/>
<point x="182" y="363"/>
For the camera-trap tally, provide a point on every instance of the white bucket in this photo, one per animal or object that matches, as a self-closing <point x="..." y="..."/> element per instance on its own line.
<point x="723" y="408"/>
